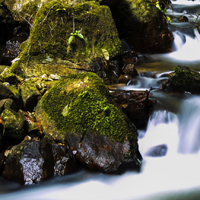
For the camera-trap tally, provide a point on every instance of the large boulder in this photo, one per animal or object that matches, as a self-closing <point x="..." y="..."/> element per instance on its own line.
<point x="65" y="40"/>
<point x="78" y="111"/>
<point x="183" y="79"/>
<point x="33" y="161"/>
<point x="141" y="24"/>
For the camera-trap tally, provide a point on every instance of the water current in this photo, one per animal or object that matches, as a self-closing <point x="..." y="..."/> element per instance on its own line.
<point x="173" y="134"/>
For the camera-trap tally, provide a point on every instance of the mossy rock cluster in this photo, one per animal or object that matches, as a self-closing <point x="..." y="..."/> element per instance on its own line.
<point x="77" y="111"/>
<point x="184" y="79"/>
<point x="48" y="50"/>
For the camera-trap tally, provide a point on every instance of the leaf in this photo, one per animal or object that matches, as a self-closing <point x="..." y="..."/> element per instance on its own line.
<point x="61" y="9"/>
<point x="70" y="39"/>
<point x="80" y="35"/>
<point x="169" y="19"/>
<point x="158" y="5"/>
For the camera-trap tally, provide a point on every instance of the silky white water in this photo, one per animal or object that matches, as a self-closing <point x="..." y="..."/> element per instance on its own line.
<point x="174" y="124"/>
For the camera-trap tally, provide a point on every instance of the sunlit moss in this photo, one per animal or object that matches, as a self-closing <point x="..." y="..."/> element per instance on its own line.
<point x="81" y="104"/>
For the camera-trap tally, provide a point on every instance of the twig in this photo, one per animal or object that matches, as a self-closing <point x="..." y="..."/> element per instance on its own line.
<point x="47" y="14"/>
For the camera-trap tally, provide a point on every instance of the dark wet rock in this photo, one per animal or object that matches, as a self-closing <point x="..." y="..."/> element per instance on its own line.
<point x="183" y="79"/>
<point x="129" y="57"/>
<point x="15" y="126"/>
<point x="124" y="78"/>
<point x="47" y="52"/>
<point x="78" y="110"/>
<point x="30" y="94"/>
<point x="64" y="160"/>
<point x="157" y="151"/>
<point x="142" y="25"/>
<point x="7" y="103"/>
<point x="107" y="70"/>
<point x="129" y="69"/>
<point x="97" y="152"/>
<point x="183" y="19"/>
<point x="135" y="105"/>
<point x="33" y="161"/>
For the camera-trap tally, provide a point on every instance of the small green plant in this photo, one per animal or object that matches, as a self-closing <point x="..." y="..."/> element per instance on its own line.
<point x="71" y="38"/>
<point x="76" y="33"/>
<point x="159" y="7"/>
<point x="163" y="10"/>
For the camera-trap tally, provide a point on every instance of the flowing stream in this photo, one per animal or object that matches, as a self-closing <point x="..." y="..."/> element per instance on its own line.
<point x="170" y="146"/>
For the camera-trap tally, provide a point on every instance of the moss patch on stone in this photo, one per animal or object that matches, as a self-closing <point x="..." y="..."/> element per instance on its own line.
<point x="185" y="78"/>
<point x="81" y="104"/>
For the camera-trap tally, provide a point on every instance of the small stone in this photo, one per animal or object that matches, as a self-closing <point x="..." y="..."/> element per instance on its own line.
<point x="123" y="78"/>
<point x="157" y="151"/>
<point x="54" y="76"/>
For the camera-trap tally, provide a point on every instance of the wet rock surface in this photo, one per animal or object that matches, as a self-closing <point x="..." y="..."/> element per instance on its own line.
<point x="135" y="105"/>
<point x="32" y="161"/>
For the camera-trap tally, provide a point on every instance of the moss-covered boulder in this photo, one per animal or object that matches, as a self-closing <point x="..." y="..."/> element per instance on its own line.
<point x="65" y="39"/>
<point x="78" y="111"/>
<point x="183" y="79"/>
<point x="33" y="161"/>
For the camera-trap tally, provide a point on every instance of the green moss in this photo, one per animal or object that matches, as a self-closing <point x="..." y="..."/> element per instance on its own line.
<point x="52" y="27"/>
<point x="185" y="77"/>
<point x="14" y="90"/>
<point x="80" y="104"/>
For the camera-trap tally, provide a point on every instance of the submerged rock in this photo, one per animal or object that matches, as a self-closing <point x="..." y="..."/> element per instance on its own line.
<point x="183" y="79"/>
<point x="157" y="151"/>
<point x="78" y="110"/>
<point x="33" y="161"/>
